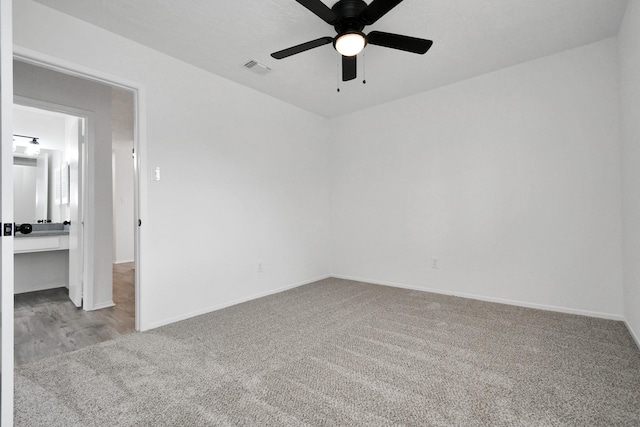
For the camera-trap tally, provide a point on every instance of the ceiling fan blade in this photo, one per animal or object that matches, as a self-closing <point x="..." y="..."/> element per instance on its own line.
<point x="377" y="9"/>
<point x="320" y="9"/>
<point x="397" y="41"/>
<point x="301" y="47"/>
<point x="349" y="68"/>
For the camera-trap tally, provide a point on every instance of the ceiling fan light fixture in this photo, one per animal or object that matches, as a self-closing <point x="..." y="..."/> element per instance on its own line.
<point x="350" y="43"/>
<point x="349" y="19"/>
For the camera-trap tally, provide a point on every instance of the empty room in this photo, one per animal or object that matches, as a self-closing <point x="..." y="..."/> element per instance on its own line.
<point x="367" y="213"/>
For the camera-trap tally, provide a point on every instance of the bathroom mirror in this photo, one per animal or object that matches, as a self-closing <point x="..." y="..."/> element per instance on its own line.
<point x="33" y="179"/>
<point x="30" y="184"/>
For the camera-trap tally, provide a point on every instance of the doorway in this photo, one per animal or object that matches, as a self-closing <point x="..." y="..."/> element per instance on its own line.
<point x="47" y="191"/>
<point x="102" y="316"/>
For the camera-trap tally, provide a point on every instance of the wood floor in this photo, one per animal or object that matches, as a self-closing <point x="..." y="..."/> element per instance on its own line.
<point x="47" y="323"/>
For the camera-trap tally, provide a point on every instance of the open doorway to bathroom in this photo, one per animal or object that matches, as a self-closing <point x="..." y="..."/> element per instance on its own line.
<point x="49" y="318"/>
<point x="47" y="200"/>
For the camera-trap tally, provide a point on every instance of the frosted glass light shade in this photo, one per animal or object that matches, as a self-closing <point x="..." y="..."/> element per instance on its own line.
<point x="33" y="148"/>
<point x="350" y="44"/>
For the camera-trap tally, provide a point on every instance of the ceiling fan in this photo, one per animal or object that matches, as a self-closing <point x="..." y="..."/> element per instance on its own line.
<point x="349" y="17"/>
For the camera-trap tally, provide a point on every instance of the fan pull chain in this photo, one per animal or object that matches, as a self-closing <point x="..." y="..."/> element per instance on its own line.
<point x="338" y="71"/>
<point x="364" y="68"/>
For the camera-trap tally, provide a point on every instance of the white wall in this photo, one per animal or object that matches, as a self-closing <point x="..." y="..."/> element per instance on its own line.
<point x="244" y="176"/>
<point x="122" y="131"/>
<point x="511" y="179"/>
<point x="629" y="45"/>
<point x="123" y="220"/>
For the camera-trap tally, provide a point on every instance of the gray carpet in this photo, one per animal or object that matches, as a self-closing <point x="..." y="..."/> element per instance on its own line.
<point x="341" y="353"/>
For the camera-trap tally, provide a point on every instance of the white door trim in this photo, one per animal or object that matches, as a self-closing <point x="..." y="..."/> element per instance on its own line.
<point x="140" y="146"/>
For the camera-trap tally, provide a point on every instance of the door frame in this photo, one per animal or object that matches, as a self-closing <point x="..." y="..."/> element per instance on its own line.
<point x="88" y="241"/>
<point x="139" y="143"/>
<point x="6" y="212"/>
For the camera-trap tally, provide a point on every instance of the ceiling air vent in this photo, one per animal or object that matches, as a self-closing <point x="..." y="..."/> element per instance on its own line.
<point x="257" y="67"/>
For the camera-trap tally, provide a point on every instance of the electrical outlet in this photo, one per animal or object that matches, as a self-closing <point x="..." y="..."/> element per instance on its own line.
<point x="260" y="266"/>
<point x="434" y="262"/>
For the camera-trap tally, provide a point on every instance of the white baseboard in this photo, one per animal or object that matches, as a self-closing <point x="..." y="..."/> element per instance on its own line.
<point x="635" y="336"/>
<point x="228" y="304"/>
<point x="123" y="262"/>
<point x="102" y="305"/>
<point x="488" y="299"/>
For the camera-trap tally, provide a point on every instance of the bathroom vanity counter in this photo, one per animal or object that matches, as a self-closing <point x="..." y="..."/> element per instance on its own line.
<point x="44" y="237"/>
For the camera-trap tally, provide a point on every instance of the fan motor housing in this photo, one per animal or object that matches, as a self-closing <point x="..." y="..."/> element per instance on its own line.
<point x="348" y="12"/>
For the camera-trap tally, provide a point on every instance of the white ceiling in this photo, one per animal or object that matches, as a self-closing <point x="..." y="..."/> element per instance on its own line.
<point x="471" y="37"/>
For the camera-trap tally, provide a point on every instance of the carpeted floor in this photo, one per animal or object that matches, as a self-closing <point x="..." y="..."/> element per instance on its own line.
<point x="340" y="353"/>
